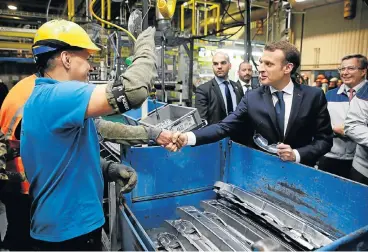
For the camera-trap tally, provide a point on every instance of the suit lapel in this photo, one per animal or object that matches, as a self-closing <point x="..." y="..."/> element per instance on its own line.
<point x="219" y="94"/>
<point x="267" y="99"/>
<point x="236" y="91"/>
<point x="297" y="100"/>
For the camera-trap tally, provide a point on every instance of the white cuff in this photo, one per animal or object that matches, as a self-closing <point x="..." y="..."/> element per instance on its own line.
<point x="297" y="156"/>
<point x="191" y="138"/>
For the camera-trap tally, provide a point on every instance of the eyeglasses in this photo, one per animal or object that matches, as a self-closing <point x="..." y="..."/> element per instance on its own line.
<point x="349" y="69"/>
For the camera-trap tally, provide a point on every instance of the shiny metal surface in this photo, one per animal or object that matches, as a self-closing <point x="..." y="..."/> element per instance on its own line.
<point x="187" y="230"/>
<point x="290" y="225"/>
<point x="223" y="240"/>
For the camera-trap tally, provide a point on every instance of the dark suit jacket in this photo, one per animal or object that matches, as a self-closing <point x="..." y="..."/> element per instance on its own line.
<point x="309" y="128"/>
<point x="210" y="103"/>
<point x="254" y="84"/>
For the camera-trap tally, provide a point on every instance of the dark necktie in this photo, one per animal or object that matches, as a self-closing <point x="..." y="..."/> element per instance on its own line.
<point x="351" y="94"/>
<point x="229" y="100"/>
<point x="280" y="111"/>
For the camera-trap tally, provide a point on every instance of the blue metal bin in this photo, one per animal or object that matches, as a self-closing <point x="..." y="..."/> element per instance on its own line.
<point x="170" y="180"/>
<point x="133" y="116"/>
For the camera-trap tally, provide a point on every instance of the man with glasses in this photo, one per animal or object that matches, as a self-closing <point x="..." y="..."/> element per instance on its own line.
<point x="293" y="116"/>
<point x="220" y="96"/>
<point x="353" y="72"/>
<point x="339" y="160"/>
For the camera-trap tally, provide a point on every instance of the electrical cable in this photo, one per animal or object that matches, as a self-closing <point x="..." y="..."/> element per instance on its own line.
<point x="231" y="15"/>
<point x="228" y="36"/>
<point x="47" y="10"/>
<point x="145" y="14"/>
<point x="227" y="12"/>
<point x="241" y="12"/>
<point x="109" y="23"/>
<point x="223" y="14"/>
<point x="218" y="31"/>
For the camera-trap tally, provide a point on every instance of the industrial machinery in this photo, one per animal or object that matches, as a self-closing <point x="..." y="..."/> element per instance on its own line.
<point x="216" y="197"/>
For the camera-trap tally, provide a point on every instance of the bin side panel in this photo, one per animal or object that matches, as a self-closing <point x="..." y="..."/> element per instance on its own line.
<point x="356" y="241"/>
<point x="130" y="239"/>
<point x="167" y="180"/>
<point x="334" y="204"/>
<point x="161" y="172"/>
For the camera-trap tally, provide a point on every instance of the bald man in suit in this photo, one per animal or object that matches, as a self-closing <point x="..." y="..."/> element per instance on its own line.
<point x="219" y="97"/>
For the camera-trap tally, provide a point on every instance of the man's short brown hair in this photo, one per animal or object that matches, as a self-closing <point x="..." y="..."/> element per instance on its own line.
<point x="245" y="62"/>
<point x="292" y="55"/>
<point x="361" y="59"/>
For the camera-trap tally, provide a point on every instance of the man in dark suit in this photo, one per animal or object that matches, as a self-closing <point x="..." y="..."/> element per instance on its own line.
<point x="245" y="73"/>
<point x="282" y="111"/>
<point x="220" y="96"/>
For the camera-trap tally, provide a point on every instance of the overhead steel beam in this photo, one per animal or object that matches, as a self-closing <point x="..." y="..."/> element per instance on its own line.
<point x="15" y="46"/>
<point x="39" y="6"/>
<point x="17" y="32"/>
<point x="35" y="15"/>
<point x="5" y="20"/>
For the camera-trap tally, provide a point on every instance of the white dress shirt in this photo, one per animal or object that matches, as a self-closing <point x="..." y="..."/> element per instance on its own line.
<point x="346" y="88"/>
<point x="288" y="93"/>
<point x="220" y="82"/>
<point x="288" y="99"/>
<point x="246" y="86"/>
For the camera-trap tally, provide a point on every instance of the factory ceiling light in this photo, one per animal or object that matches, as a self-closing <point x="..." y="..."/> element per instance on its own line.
<point x="12" y="7"/>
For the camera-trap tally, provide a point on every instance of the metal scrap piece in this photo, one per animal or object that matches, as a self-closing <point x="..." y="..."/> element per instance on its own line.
<point x="219" y="236"/>
<point x="170" y="242"/>
<point x="292" y="226"/>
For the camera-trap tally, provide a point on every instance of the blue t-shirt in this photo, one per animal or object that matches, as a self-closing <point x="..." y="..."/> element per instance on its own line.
<point x="60" y="153"/>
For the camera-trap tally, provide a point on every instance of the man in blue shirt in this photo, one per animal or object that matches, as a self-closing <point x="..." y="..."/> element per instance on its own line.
<point x="59" y="146"/>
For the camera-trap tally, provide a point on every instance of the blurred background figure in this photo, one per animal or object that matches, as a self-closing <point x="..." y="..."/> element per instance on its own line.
<point x="339" y="83"/>
<point x="333" y="83"/>
<point x="304" y="79"/>
<point x="318" y="81"/>
<point x="324" y="85"/>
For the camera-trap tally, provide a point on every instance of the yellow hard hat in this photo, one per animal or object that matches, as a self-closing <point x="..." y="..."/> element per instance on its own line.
<point x="58" y="34"/>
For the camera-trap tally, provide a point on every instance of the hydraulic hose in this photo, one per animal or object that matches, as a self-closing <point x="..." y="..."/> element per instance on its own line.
<point x="109" y="23"/>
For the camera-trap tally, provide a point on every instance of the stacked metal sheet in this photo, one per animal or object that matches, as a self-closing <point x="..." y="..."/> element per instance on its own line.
<point x="237" y="221"/>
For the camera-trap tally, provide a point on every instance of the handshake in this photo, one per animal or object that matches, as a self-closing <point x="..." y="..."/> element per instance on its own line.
<point x="172" y="141"/>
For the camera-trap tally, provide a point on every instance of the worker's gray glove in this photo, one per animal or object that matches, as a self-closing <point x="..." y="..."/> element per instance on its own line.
<point x="140" y="74"/>
<point x="124" y="175"/>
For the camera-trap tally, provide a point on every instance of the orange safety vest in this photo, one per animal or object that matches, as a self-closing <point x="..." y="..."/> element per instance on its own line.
<point x="11" y="114"/>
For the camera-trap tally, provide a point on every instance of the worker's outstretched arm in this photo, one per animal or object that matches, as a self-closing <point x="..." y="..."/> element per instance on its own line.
<point x="134" y="85"/>
<point x="131" y="135"/>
